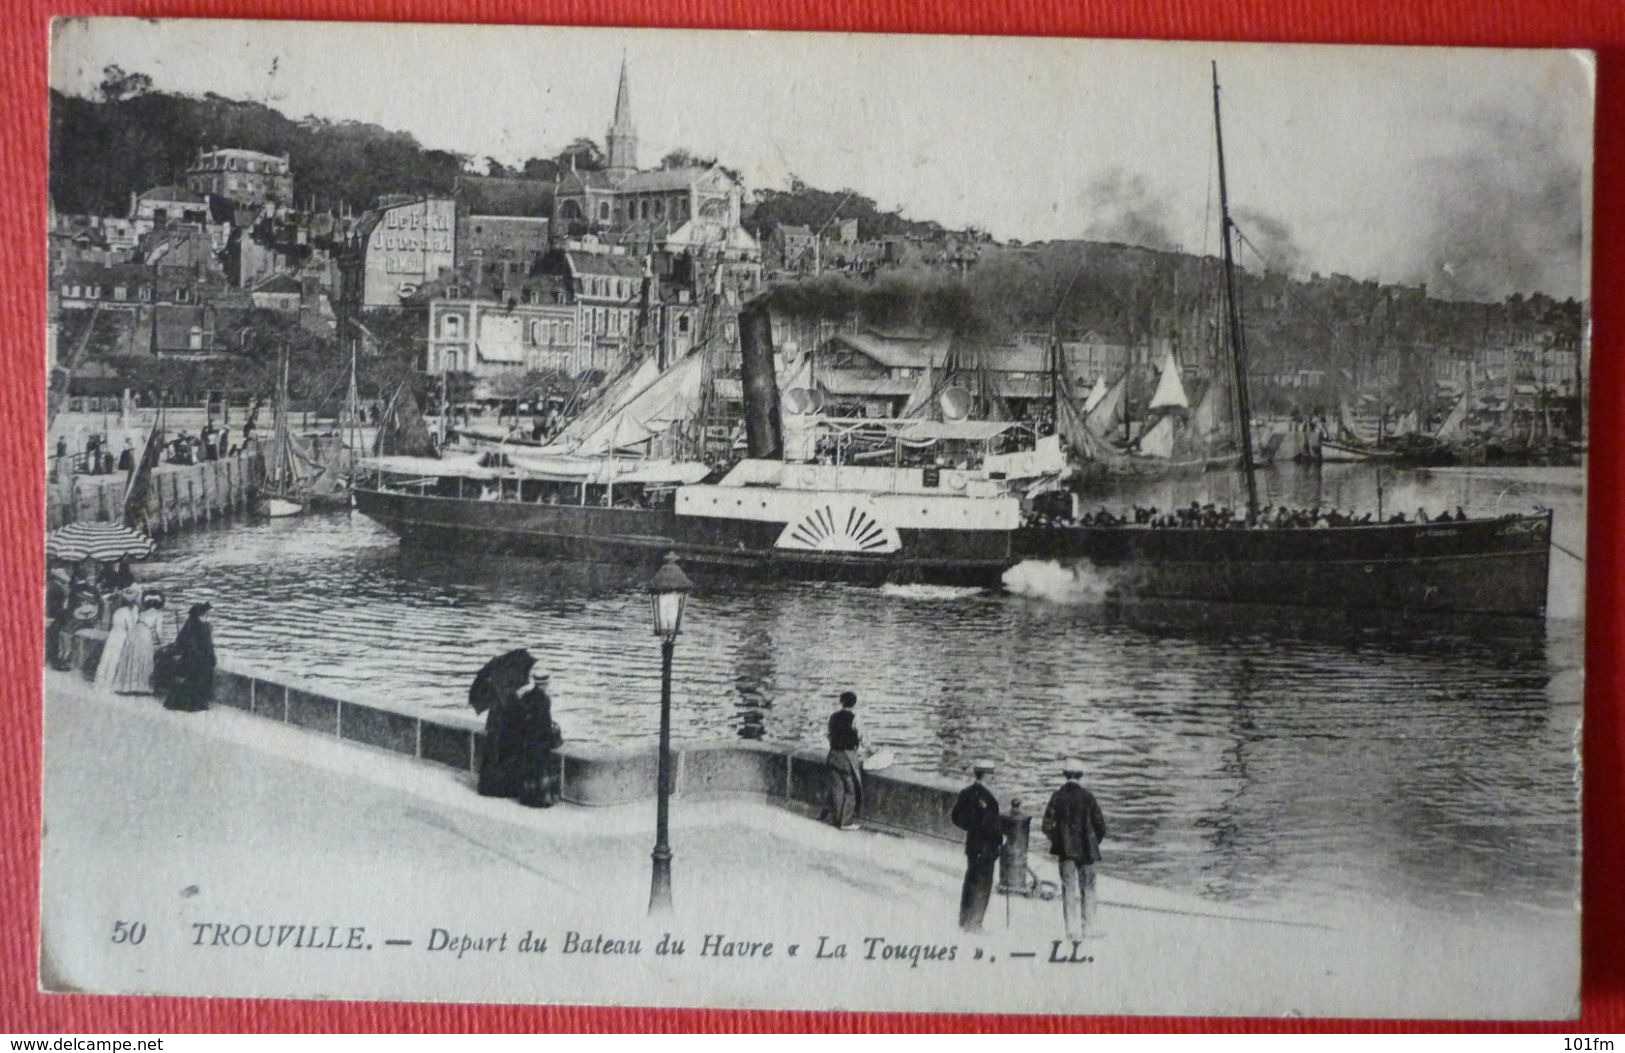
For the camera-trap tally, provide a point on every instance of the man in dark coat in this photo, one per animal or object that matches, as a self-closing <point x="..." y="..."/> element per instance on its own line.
<point x="977" y="813"/>
<point x="192" y="686"/>
<point x="845" y="798"/>
<point x="1076" y="827"/>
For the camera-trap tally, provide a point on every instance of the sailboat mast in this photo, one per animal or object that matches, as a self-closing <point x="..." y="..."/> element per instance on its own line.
<point x="1238" y="349"/>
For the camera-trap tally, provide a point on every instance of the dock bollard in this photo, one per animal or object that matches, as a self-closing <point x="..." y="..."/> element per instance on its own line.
<point x="1016" y="877"/>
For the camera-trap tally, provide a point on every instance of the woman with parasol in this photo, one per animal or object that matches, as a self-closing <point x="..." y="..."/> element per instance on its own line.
<point x="520" y="735"/>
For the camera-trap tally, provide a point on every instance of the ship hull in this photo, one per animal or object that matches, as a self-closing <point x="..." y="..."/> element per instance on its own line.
<point x="1496" y="566"/>
<point x="637" y="536"/>
<point x="1479" y="566"/>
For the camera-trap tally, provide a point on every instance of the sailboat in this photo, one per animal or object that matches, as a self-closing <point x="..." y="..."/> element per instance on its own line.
<point x="294" y="478"/>
<point x="1498" y="565"/>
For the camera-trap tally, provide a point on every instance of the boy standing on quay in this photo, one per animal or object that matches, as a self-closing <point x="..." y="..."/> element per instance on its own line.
<point x="1076" y="827"/>
<point x="845" y="801"/>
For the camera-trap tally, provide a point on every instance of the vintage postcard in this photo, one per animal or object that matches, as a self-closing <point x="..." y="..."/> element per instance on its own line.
<point x="817" y="521"/>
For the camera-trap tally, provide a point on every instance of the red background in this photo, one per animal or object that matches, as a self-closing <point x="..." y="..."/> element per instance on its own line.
<point x="1595" y="24"/>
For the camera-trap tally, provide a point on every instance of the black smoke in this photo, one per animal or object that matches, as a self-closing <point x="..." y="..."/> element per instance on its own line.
<point x="1122" y="207"/>
<point x="1507" y="215"/>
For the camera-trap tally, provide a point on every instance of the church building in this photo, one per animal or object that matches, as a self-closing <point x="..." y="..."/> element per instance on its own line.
<point x="629" y="205"/>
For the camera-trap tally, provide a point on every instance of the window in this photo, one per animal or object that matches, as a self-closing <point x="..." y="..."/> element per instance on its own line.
<point x="682" y="324"/>
<point x="95" y="292"/>
<point x="643" y="210"/>
<point x="451" y="326"/>
<point x="182" y="295"/>
<point x="603" y="211"/>
<point x="554" y="333"/>
<point x="567" y="332"/>
<point x="146" y="293"/>
<point x="194" y="338"/>
<point x="660" y="208"/>
<point x="120" y="293"/>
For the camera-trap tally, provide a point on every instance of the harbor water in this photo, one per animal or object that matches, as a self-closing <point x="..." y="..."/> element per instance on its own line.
<point x="1251" y="756"/>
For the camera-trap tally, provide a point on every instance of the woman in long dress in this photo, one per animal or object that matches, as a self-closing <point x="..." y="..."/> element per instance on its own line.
<point x="193" y="687"/>
<point x="118" y="635"/>
<point x="134" y="673"/>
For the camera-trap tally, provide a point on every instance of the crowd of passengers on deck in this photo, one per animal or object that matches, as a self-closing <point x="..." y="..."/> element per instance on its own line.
<point x="1198" y="516"/>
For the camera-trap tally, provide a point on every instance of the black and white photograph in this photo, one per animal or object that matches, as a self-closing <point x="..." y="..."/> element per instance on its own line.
<point x="827" y="521"/>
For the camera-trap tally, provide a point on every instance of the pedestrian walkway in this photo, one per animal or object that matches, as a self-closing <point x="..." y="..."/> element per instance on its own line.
<point x="183" y="819"/>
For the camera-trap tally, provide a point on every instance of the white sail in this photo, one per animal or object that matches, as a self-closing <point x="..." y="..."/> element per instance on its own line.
<point x="922" y="400"/>
<point x="1454" y="422"/>
<point x="1406" y="425"/>
<point x="1096" y="393"/>
<point x="622" y="391"/>
<point x="674" y="396"/>
<point x="1170" y="389"/>
<point x="1158" y="441"/>
<point x="1104" y="419"/>
<point x="1205" y="418"/>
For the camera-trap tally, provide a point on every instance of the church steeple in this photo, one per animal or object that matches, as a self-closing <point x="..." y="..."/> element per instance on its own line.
<point x="621" y="141"/>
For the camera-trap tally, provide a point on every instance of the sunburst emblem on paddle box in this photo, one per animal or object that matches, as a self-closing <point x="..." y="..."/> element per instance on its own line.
<point x="840" y="527"/>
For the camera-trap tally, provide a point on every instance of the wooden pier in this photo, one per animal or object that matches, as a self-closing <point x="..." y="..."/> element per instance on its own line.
<point x="182" y="495"/>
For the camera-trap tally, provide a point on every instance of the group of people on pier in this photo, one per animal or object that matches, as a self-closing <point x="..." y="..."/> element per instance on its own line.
<point x="136" y="658"/>
<point x="1072" y="821"/>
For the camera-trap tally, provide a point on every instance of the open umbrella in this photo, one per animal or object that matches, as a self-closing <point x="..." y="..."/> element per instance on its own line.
<point x="500" y="678"/>
<point x="98" y="541"/>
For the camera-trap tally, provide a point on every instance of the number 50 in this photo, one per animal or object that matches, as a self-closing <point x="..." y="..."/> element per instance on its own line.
<point x="131" y="932"/>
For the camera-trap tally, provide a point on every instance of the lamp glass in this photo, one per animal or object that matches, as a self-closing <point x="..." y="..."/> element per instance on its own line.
<point x="668" y="613"/>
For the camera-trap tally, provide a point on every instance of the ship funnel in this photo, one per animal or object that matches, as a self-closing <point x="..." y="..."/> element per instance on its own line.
<point x="764" y="437"/>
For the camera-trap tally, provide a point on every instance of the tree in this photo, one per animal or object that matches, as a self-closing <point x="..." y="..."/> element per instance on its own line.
<point x="582" y="154"/>
<point x="682" y="158"/>
<point x="544" y="169"/>
<point x="117" y="85"/>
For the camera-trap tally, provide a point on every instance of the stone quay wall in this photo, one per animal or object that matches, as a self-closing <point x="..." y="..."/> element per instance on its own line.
<point x="182" y="495"/>
<point x="901" y="801"/>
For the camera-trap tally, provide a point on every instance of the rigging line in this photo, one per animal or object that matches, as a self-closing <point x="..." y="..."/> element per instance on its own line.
<point x="1568" y="552"/>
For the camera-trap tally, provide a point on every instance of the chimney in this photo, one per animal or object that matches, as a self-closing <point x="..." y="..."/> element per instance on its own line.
<point x="763" y="438"/>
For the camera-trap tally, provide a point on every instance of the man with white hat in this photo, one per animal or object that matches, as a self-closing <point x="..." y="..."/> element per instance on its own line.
<point x="977" y="813"/>
<point x="1076" y="827"/>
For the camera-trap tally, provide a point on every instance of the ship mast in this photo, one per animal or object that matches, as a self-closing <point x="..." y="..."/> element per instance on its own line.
<point x="1238" y="348"/>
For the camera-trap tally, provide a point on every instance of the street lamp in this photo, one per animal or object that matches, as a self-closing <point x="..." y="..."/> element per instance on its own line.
<point x="668" y="593"/>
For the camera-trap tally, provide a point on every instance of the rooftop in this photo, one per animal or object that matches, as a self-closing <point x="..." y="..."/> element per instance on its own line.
<point x="170" y="192"/>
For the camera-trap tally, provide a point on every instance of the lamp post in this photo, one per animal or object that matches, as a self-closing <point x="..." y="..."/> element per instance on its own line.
<point x="668" y="592"/>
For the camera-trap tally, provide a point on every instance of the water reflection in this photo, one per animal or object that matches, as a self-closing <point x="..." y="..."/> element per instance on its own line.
<point x="1251" y="755"/>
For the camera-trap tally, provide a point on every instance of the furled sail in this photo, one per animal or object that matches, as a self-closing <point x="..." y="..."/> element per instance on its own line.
<point x="402" y="431"/>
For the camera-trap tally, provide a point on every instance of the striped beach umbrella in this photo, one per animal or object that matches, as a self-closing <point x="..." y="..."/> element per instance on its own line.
<point x="98" y="541"/>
